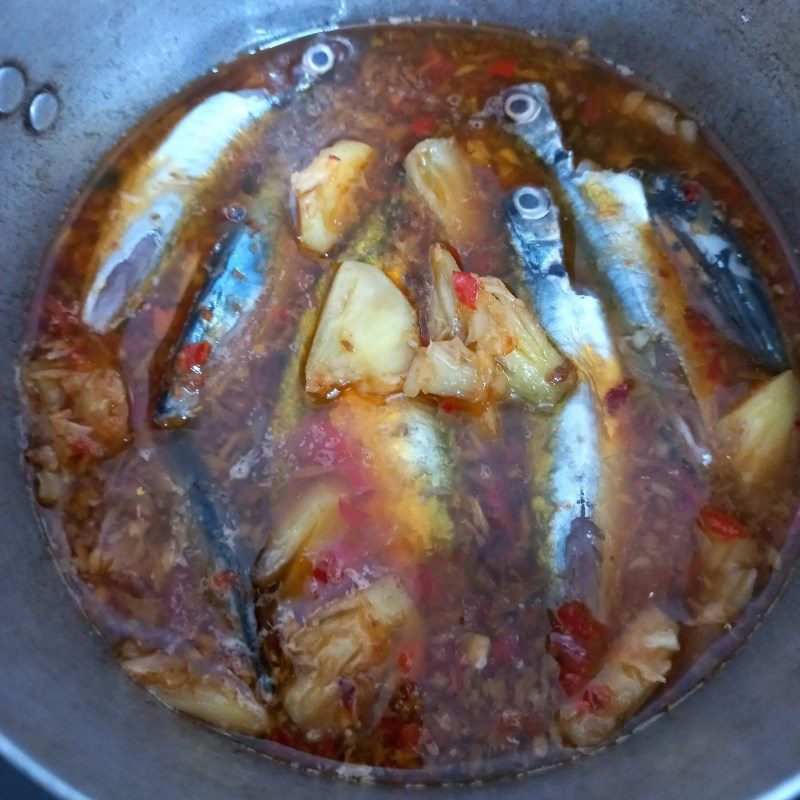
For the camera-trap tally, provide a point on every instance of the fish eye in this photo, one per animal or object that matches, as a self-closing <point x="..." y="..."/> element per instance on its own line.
<point x="532" y="203"/>
<point x="521" y="107"/>
<point x="319" y="59"/>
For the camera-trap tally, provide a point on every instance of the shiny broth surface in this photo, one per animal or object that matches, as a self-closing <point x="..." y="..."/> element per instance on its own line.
<point x="362" y="572"/>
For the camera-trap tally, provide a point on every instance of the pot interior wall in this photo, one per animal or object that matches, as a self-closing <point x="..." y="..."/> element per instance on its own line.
<point x="66" y="712"/>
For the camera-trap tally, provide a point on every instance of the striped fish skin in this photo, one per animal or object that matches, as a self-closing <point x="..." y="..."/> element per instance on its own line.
<point x="576" y="483"/>
<point x="135" y="246"/>
<point x="708" y="253"/>
<point x="611" y="215"/>
<point x="134" y="249"/>
<point x="240" y="274"/>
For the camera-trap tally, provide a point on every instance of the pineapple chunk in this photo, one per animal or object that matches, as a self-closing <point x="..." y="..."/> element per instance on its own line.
<point x="315" y="515"/>
<point x="328" y="193"/>
<point x="348" y="640"/>
<point x="504" y="327"/>
<point x="443" y="317"/>
<point x="367" y="334"/>
<point x="442" y="175"/>
<point x="637" y="663"/>
<point x="728" y="577"/>
<point x="219" y="698"/>
<point x="232" y="708"/>
<point x="447" y="369"/>
<point x="760" y="433"/>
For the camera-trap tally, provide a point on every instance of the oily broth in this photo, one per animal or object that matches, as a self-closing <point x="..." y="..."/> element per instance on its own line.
<point x="120" y="528"/>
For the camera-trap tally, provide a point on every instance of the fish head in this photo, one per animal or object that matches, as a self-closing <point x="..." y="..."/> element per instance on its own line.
<point x="524" y="110"/>
<point x="532" y="220"/>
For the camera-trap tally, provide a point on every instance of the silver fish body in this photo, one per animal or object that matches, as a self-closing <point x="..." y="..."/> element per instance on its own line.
<point x="218" y="529"/>
<point x="573" y="483"/>
<point x="611" y="214"/>
<point x="142" y="229"/>
<point x="154" y="202"/>
<point x="240" y="274"/>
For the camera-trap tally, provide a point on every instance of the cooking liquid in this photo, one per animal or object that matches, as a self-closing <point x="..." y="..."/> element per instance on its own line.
<point x="120" y="524"/>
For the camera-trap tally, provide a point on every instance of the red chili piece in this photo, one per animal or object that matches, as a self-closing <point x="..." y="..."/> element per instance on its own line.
<point x="466" y="288"/>
<point x="505" y="68"/>
<point x="404" y="662"/>
<point x="327" y="569"/>
<point x="222" y="581"/>
<point x="596" y="697"/>
<point x="448" y="406"/>
<point x="436" y="68"/>
<point x="354" y="516"/>
<point x="592" y="111"/>
<point x="423" y="126"/>
<point x="721" y="524"/>
<point x="692" y="191"/>
<point x="578" y="643"/>
<point x="193" y="355"/>
<point x="616" y="397"/>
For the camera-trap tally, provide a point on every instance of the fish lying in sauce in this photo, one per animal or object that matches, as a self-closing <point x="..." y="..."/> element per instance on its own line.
<point x="368" y="427"/>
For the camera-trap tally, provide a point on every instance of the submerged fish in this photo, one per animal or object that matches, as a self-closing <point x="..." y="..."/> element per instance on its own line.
<point x="239" y="275"/>
<point x="710" y="256"/>
<point x="573" y="467"/>
<point x="154" y="203"/>
<point x="611" y="214"/>
<point x="219" y="531"/>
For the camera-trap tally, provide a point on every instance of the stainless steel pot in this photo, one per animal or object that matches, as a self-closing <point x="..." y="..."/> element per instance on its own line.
<point x="68" y="716"/>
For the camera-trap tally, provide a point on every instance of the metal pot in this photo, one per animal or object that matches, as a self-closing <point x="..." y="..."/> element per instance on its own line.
<point x="68" y="716"/>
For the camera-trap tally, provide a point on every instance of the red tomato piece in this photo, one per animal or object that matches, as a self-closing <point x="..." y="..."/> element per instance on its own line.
<point x="721" y="524"/>
<point x="466" y="288"/>
<point x="578" y="643"/>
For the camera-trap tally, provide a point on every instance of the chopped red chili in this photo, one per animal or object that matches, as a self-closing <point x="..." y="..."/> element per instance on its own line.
<point x="505" y="68"/>
<point x="221" y="582"/>
<point x="423" y="126"/>
<point x="437" y="68"/>
<point x="618" y="395"/>
<point x="692" y="191"/>
<point x="193" y="355"/>
<point x="721" y="524"/>
<point x="466" y="287"/>
<point x="353" y="515"/>
<point x="592" y="112"/>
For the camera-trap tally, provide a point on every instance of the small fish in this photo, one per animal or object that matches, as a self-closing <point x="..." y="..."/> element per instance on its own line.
<point x="709" y="254"/>
<point x="573" y="318"/>
<point x="154" y="203"/>
<point x="579" y="468"/>
<point x="190" y="473"/>
<point x="239" y="274"/>
<point x="581" y="449"/>
<point x="611" y="214"/>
